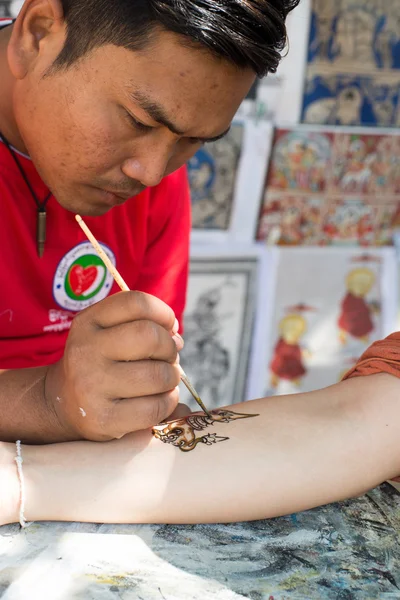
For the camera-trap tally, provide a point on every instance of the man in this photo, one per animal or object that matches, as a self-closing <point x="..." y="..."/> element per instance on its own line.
<point x="101" y="103"/>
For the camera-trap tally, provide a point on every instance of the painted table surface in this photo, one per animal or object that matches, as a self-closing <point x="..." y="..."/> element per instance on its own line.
<point x="343" y="551"/>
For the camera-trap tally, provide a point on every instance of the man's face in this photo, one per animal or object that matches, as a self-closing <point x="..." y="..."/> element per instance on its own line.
<point x="97" y="132"/>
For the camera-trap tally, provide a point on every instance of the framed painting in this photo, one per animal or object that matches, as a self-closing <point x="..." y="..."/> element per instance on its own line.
<point x="291" y="72"/>
<point x="353" y="74"/>
<point x="332" y="186"/>
<point x="226" y="180"/>
<point x="5" y="8"/>
<point x="222" y="298"/>
<point x="10" y="8"/>
<point x="326" y="305"/>
<point x="212" y="177"/>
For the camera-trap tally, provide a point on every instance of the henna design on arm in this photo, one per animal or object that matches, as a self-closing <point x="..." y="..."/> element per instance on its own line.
<point x="182" y="432"/>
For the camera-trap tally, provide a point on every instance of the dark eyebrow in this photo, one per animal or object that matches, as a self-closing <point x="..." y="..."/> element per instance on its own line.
<point x="156" y="112"/>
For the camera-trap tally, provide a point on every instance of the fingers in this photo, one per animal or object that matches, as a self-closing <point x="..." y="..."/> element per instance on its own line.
<point x="138" y="340"/>
<point x="141" y="378"/>
<point x="120" y="368"/>
<point x="133" y="414"/>
<point x="130" y="306"/>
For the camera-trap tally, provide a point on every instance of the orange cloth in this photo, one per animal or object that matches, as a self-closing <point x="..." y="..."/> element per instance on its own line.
<point x="380" y="357"/>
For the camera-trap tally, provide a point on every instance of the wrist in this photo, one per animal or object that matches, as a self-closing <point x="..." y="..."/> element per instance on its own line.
<point x="10" y="489"/>
<point x="55" y="403"/>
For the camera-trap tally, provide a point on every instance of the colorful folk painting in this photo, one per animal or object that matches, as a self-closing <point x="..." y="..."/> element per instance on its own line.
<point x="326" y="305"/>
<point x="300" y="161"/>
<point x="218" y="326"/>
<point x="353" y="75"/>
<point x="289" y="355"/>
<point x="212" y="176"/>
<point x="327" y="187"/>
<point x="357" y="307"/>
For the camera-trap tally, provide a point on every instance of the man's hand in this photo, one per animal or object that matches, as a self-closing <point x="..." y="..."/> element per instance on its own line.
<point x="119" y="372"/>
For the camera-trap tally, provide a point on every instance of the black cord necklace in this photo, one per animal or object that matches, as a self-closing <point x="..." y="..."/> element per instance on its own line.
<point x="41" y="206"/>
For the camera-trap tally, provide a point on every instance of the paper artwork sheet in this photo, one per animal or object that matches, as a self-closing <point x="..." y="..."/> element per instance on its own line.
<point x="353" y="74"/>
<point x="10" y="8"/>
<point x="218" y="325"/>
<point x="327" y="305"/>
<point x="212" y="177"/>
<point x="330" y="187"/>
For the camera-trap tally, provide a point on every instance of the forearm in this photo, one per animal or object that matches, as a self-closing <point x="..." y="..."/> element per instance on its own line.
<point x="301" y="451"/>
<point x="25" y="413"/>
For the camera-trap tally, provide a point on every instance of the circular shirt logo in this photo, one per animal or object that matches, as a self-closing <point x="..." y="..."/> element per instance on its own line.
<point x="81" y="279"/>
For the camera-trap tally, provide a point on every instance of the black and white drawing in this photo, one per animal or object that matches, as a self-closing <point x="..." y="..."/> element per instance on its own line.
<point x="10" y="8"/>
<point x="218" y="327"/>
<point x="4" y="8"/>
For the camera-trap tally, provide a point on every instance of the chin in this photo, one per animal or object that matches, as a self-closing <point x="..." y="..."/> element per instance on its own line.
<point x="92" y="211"/>
<point x="85" y="209"/>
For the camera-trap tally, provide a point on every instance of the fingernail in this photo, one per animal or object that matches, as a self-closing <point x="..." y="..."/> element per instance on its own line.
<point x="178" y="341"/>
<point x="175" y="328"/>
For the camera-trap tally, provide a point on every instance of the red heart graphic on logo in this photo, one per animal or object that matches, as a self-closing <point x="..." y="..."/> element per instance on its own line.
<point x="81" y="278"/>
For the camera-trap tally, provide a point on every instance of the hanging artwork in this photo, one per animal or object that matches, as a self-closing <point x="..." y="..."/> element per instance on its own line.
<point x="212" y="176"/>
<point x="218" y="324"/>
<point x="289" y="356"/>
<point x="10" y="8"/>
<point x="353" y="75"/>
<point x="329" y="187"/>
<point x="326" y="305"/>
<point x="4" y="8"/>
<point x="226" y="180"/>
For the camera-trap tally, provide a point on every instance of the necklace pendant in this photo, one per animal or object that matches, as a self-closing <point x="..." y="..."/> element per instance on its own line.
<point x="41" y="231"/>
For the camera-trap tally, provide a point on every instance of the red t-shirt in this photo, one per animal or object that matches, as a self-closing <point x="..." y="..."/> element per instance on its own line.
<point x="147" y="238"/>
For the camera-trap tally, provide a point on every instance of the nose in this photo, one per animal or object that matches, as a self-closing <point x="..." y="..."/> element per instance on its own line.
<point x="147" y="167"/>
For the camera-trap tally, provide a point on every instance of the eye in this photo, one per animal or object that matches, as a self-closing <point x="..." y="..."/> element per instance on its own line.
<point x="135" y="123"/>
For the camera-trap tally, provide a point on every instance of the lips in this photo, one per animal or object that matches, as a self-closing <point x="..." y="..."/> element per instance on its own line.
<point x="123" y="197"/>
<point x="106" y="198"/>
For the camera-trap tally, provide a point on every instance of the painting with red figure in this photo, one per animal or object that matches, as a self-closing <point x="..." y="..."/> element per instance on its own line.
<point x="289" y="357"/>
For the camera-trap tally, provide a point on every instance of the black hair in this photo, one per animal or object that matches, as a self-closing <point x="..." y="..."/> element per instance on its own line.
<point x="248" y="33"/>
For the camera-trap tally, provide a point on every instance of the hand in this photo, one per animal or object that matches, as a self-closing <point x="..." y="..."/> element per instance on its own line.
<point x="119" y="372"/>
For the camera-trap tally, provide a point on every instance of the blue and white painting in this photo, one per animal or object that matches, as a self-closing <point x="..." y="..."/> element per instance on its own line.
<point x="353" y="75"/>
<point x="212" y="176"/>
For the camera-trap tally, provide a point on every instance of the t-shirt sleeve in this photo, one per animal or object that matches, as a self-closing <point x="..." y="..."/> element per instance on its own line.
<point x="381" y="357"/>
<point x="165" y="267"/>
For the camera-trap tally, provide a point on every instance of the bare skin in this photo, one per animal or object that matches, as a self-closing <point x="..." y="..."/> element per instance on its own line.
<point x="95" y="141"/>
<point x="274" y="456"/>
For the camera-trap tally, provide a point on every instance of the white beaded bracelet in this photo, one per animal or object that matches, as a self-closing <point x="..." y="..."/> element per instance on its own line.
<point x="19" y="460"/>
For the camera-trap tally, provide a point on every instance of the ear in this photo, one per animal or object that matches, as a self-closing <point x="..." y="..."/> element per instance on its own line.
<point x="38" y="24"/>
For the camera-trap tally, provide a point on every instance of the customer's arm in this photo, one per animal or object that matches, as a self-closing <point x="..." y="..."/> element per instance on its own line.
<point x="301" y="451"/>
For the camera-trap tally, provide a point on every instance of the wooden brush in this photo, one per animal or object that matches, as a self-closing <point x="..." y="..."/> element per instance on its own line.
<point x="123" y="286"/>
